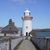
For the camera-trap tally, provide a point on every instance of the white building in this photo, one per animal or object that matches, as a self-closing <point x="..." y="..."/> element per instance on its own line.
<point x="27" y="23"/>
<point x="10" y="30"/>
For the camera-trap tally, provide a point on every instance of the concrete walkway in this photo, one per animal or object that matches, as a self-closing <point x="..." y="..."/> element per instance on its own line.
<point x="26" y="45"/>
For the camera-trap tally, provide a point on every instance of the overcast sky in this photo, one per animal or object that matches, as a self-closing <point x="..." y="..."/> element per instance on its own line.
<point x="14" y="9"/>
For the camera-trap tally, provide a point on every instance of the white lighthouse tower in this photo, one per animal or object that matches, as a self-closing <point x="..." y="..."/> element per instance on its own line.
<point x="27" y="23"/>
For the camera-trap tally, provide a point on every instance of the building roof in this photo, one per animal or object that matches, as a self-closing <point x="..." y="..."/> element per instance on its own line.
<point x="27" y="10"/>
<point x="10" y="28"/>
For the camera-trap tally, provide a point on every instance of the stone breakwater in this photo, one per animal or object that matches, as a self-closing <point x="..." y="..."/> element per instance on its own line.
<point x="8" y="43"/>
<point x="42" y="42"/>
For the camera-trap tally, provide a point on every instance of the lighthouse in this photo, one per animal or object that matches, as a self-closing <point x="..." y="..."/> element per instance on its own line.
<point x="27" y="23"/>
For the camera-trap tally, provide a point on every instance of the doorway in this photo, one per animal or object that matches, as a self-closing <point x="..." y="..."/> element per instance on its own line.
<point x="26" y="33"/>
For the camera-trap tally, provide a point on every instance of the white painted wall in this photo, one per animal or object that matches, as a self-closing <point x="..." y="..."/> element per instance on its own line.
<point x="26" y="14"/>
<point x="1" y="34"/>
<point x="10" y="34"/>
<point x="25" y="24"/>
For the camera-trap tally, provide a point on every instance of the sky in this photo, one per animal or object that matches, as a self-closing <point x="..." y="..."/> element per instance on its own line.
<point x="14" y="9"/>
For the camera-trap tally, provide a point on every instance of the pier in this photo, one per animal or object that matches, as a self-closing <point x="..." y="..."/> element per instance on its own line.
<point x="26" y="45"/>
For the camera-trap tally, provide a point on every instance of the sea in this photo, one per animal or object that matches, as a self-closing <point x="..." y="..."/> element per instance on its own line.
<point x="43" y="34"/>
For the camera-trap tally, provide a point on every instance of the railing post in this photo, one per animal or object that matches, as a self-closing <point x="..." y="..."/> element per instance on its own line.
<point x="47" y="43"/>
<point x="9" y="43"/>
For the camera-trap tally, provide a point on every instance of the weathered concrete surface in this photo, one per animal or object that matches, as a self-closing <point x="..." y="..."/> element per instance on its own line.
<point x="26" y="45"/>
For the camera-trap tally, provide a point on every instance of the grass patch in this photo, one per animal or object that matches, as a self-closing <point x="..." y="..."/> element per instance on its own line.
<point x="26" y="38"/>
<point x="18" y="45"/>
<point x="1" y="37"/>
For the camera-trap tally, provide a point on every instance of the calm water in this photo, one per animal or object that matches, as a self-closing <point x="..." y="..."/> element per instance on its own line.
<point x="45" y="34"/>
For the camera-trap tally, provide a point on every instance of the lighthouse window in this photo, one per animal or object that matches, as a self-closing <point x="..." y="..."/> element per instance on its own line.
<point x="24" y="13"/>
<point x="29" y="13"/>
<point x="26" y="26"/>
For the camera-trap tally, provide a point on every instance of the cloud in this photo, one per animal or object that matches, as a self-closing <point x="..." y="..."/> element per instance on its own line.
<point x="15" y="0"/>
<point x="33" y="2"/>
<point x="25" y="1"/>
<point x="19" y="1"/>
<point x="12" y="8"/>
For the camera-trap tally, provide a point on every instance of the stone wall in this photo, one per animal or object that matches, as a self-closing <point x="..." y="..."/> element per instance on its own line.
<point x="4" y="44"/>
<point x="15" y="42"/>
<point x="43" y="43"/>
<point x="9" y="43"/>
